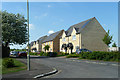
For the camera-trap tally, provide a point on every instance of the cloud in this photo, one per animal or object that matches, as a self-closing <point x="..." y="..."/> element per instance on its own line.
<point x="51" y="31"/>
<point x="31" y="26"/>
<point x="49" y="6"/>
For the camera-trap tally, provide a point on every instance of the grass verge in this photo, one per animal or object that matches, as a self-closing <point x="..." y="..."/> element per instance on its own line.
<point x="18" y="67"/>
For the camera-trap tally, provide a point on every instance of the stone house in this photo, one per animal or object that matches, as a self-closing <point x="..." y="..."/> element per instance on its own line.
<point x="86" y="34"/>
<point x="39" y="43"/>
<point x="33" y="47"/>
<point x="53" y="41"/>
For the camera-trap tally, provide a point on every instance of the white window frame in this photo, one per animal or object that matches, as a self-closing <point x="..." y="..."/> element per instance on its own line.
<point x="63" y="39"/>
<point x="51" y="42"/>
<point x="74" y="37"/>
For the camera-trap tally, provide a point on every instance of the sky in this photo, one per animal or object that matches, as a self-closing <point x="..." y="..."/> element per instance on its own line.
<point x="49" y="17"/>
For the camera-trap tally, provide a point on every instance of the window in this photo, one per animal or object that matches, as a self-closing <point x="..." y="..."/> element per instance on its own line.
<point x="74" y="37"/>
<point x="51" y="50"/>
<point x="51" y="42"/>
<point x="63" y="39"/>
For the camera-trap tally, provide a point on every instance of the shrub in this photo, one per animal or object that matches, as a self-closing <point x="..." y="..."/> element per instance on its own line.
<point x="52" y="54"/>
<point x="63" y="53"/>
<point x="101" y="55"/>
<point x="8" y="62"/>
<point x="72" y="56"/>
<point x="41" y="53"/>
<point x="31" y="53"/>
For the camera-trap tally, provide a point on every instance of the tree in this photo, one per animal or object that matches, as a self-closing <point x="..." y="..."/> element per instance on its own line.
<point x="114" y="45"/>
<point x="107" y="38"/>
<point x="14" y="29"/>
<point x="46" y="47"/>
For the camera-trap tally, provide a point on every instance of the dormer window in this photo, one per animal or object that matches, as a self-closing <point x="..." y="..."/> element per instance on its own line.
<point x="74" y="37"/>
<point x="63" y="39"/>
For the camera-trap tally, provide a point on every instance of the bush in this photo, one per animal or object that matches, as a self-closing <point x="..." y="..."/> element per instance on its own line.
<point x="72" y="56"/>
<point x="41" y="53"/>
<point x="8" y="62"/>
<point x="52" y="54"/>
<point x="101" y="55"/>
<point x="63" y="53"/>
<point x="31" y="53"/>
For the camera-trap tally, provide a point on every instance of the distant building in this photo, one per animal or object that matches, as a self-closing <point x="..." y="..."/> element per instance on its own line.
<point x="87" y="34"/>
<point x="39" y="43"/>
<point x="113" y="49"/>
<point x="53" y="41"/>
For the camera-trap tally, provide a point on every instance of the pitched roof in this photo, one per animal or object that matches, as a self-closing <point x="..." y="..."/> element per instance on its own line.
<point x="52" y="36"/>
<point x="78" y="27"/>
<point x="31" y="44"/>
<point x="42" y="38"/>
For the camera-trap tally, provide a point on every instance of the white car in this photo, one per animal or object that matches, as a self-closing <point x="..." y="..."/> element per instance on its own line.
<point x="14" y="53"/>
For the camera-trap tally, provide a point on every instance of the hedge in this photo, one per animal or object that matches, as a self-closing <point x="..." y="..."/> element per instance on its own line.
<point x="100" y="55"/>
<point x="73" y="56"/>
<point x="97" y="55"/>
<point x="50" y="54"/>
<point x="31" y="53"/>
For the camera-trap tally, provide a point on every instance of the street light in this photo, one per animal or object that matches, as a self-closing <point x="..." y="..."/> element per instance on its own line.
<point x="28" y="56"/>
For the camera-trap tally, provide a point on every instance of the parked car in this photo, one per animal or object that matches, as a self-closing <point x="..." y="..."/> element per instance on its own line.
<point x="82" y="50"/>
<point x="22" y="54"/>
<point x="14" y="53"/>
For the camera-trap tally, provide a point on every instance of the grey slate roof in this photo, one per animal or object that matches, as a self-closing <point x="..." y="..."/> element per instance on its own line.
<point x="42" y="38"/>
<point x="31" y="44"/>
<point x="52" y="36"/>
<point x="78" y="27"/>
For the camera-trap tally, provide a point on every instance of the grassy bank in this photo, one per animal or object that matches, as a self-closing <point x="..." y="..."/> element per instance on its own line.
<point x="18" y="66"/>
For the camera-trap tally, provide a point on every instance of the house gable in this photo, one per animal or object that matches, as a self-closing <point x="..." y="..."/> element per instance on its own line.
<point x="63" y="34"/>
<point x="92" y="36"/>
<point x="73" y="31"/>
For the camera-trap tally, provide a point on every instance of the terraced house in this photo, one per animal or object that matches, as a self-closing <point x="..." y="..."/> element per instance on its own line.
<point x="53" y="41"/>
<point x="87" y="34"/>
<point x="36" y="46"/>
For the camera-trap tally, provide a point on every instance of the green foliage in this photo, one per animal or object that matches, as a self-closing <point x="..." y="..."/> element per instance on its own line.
<point x="72" y="55"/>
<point x="85" y="55"/>
<point x="31" y="53"/>
<point x="8" y="62"/>
<point x="46" y="47"/>
<point x="63" y="53"/>
<point x="107" y="38"/>
<point x="41" y="53"/>
<point x="52" y="54"/>
<point x="14" y="28"/>
<point x="18" y="66"/>
<point x="99" y="55"/>
<point x="114" y="45"/>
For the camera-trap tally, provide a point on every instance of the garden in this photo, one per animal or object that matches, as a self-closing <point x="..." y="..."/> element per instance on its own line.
<point x="10" y="65"/>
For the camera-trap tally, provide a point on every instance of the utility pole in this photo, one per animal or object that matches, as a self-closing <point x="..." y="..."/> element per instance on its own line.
<point x="28" y="55"/>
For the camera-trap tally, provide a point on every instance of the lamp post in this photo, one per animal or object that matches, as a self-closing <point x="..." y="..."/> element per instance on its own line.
<point x="28" y="56"/>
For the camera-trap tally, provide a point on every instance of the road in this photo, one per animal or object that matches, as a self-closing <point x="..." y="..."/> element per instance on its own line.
<point x="73" y="68"/>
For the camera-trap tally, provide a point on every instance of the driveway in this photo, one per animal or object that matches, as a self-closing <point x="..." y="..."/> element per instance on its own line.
<point x="73" y="68"/>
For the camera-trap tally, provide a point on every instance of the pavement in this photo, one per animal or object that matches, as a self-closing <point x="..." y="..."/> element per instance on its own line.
<point x="35" y="70"/>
